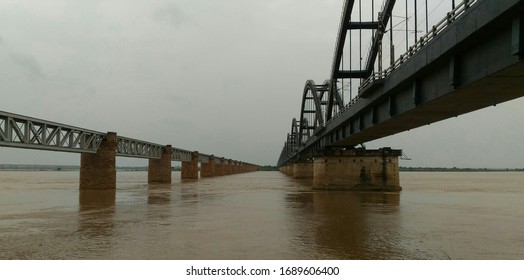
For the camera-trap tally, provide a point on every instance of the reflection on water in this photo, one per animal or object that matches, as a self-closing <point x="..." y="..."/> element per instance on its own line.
<point x="96" y="212"/>
<point x="263" y="215"/>
<point x="347" y="225"/>
<point x="159" y="194"/>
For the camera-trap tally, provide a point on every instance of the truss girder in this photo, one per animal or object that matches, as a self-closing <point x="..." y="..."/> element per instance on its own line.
<point x="181" y="155"/>
<point x="127" y="147"/>
<point x="24" y="132"/>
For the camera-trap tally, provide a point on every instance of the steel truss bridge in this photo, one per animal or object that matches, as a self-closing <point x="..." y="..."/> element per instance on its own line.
<point x="469" y="58"/>
<point x="18" y="131"/>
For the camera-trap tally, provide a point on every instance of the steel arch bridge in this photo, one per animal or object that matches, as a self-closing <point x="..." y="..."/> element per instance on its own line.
<point x="436" y="77"/>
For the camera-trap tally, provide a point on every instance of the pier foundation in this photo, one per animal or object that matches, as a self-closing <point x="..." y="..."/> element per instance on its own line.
<point x="303" y="170"/>
<point x="358" y="169"/>
<point x="98" y="171"/>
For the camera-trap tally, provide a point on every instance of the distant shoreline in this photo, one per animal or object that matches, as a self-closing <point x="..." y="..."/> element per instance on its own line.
<point x="37" y="167"/>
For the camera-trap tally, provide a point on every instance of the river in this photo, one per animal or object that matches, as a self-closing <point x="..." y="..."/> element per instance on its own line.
<point x="261" y="215"/>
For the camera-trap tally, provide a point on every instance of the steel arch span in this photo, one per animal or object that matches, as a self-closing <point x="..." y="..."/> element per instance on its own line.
<point x="468" y="57"/>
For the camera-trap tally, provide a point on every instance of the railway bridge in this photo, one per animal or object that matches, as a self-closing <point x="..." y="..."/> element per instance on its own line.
<point x="469" y="58"/>
<point x="99" y="150"/>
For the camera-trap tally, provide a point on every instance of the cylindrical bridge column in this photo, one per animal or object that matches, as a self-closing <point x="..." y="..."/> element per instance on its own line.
<point x="160" y="169"/>
<point x="98" y="171"/>
<point x="190" y="168"/>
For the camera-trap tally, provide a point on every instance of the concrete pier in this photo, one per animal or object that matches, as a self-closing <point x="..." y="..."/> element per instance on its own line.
<point x="289" y="170"/>
<point x="98" y="171"/>
<point x="159" y="170"/>
<point x="303" y="170"/>
<point x="359" y="169"/>
<point x="190" y="168"/>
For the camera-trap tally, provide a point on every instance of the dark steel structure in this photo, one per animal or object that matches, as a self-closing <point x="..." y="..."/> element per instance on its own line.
<point x="470" y="59"/>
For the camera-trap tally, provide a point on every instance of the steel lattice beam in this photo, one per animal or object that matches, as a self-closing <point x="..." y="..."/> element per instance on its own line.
<point x="24" y="132"/>
<point x="30" y="133"/>
<point x="127" y="147"/>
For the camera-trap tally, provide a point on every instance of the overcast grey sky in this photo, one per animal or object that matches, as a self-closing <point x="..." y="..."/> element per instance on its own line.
<point x="222" y="77"/>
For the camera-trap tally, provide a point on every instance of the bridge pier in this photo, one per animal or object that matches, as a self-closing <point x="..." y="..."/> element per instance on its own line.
<point x="220" y="167"/>
<point x="208" y="169"/>
<point x="289" y="170"/>
<point x="190" y="168"/>
<point x="284" y="169"/>
<point x="159" y="170"/>
<point x="98" y="171"/>
<point x="234" y="167"/>
<point x="303" y="170"/>
<point x="360" y="170"/>
<point x="229" y="167"/>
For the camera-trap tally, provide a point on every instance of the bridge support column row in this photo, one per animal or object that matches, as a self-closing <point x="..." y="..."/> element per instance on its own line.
<point x="98" y="171"/>
<point x="358" y="169"/>
<point x="212" y="168"/>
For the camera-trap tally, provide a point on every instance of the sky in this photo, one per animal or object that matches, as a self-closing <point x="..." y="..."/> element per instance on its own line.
<point x="221" y="77"/>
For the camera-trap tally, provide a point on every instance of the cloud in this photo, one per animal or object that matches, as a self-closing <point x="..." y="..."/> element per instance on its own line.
<point x="171" y="14"/>
<point x="28" y="63"/>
